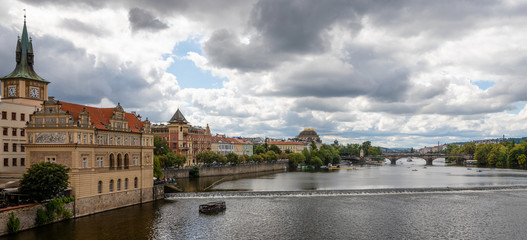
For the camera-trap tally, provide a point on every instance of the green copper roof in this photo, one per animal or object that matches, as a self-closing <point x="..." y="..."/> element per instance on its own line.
<point x="24" y="59"/>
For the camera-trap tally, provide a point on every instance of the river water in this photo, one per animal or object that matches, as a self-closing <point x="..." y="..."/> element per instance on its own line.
<point x="406" y="201"/>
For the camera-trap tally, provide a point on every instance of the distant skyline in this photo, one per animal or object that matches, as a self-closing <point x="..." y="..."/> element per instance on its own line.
<point x="397" y="73"/>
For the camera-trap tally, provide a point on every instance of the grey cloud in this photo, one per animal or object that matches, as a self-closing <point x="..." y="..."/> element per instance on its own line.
<point x="141" y="19"/>
<point x="225" y="50"/>
<point x="326" y="105"/>
<point x="78" y="26"/>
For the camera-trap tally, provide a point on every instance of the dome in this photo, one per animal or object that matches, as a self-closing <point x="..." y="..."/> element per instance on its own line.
<point x="309" y="135"/>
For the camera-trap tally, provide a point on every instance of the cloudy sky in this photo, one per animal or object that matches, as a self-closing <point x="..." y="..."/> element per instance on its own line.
<point x="399" y="73"/>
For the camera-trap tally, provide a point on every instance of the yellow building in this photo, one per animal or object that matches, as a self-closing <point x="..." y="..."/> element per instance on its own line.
<point x="292" y="147"/>
<point x="109" y="153"/>
<point x="23" y="91"/>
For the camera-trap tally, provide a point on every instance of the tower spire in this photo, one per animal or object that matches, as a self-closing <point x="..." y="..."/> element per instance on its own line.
<point x="24" y="58"/>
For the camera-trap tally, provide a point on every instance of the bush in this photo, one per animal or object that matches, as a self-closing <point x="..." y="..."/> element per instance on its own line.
<point x="53" y="209"/>
<point x="194" y="172"/>
<point x="13" y="225"/>
<point x="42" y="217"/>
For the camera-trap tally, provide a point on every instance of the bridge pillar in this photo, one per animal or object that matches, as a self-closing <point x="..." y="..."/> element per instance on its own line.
<point x="429" y="160"/>
<point x="393" y="160"/>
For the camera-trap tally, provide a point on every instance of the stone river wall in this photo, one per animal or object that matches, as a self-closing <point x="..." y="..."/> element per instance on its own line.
<point x="26" y="215"/>
<point x="226" y="170"/>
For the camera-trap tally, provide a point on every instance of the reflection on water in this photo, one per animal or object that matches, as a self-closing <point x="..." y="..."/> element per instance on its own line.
<point x="403" y="175"/>
<point x="397" y="214"/>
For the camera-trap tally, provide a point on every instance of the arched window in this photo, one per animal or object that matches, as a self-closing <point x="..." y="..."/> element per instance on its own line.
<point x="125" y="183"/>
<point x="111" y="185"/>
<point x="135" y="182"/>
<point x="126" y="161"/>
<point x="119" y="185"/>
<point x="112" y="161"/>
<point x="99" y="187"/>
<point x="119" y="160"/>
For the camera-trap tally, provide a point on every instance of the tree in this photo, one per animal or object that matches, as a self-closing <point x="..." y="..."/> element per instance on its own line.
<point x="522" y="161"/>
<point x="162" y="147"/>
<point x="258" y="149"/>
<point x="373" y="151"/>
<point x="270" y="156"/>
<point x="275" y="149"/>
<point x="44" y="181"/>
<point x="180" y="160"/>
<point x="232" y="158"/>
<point x="313" y="146"/>
<point x="469" y="148"/>
<point x="157" y="168"/>
<point x="295" y="159"/>
<point x="366" y="147"/>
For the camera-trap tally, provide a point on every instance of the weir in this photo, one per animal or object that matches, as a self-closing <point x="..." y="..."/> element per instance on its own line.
<point x="353" y="192"/>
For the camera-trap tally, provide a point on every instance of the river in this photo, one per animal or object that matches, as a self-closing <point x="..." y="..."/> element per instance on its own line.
<point x="406" y="201"/>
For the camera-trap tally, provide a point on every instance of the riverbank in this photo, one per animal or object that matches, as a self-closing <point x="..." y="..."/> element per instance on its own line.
<point x="226" y="170"/>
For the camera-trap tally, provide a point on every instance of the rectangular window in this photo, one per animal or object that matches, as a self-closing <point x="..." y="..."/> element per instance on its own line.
<point x="14" y="147"/>
<point x="22" y="117"/>
<point x="5" y="131"/>
<point x="22" y="148"/>
<point x="4" y="115"/>
<point x="84" y="139"/>
<point x="84" y="162"/>
<point x="22" y="132"/>
<point x="14" y="162"/>
<point x="6" y="162"/>
<point x="6" y="147"/>
<point x="13" y="116"/>
<point x="13" y="132"/>
<point x="22" y="162"/>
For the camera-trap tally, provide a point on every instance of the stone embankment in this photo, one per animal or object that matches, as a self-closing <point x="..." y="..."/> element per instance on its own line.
<point x="26" y="214"/>
<point x="226" y="170"/>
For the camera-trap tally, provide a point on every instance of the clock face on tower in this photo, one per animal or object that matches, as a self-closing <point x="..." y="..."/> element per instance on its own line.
<point x="34" y="92"/>
<point x="11" y="91"/>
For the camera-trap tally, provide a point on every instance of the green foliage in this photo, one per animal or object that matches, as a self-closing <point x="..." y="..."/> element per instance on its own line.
<point x="258" y="149"/>
<point x="374" y="151"/>
<point x="522" y="161"/>
<point x="162" y="147"/>
<point x="366" y="147"/>
<point x="313" y="146"/>
<point x="295" y="159"/>
<point x="53" y="209"/>
<point x="13" y="225"/>
<point x="469" y="148"/>
<point x="270" y="156"/>
<point x="44" y="181"/>
<point x="233" y="158"/>
<point x="275" y="149"/>
<point x="157" y="167"/>
<point x="210" y="157"/>
<point x="42" y="217"/>
<point x="194" y="172"/>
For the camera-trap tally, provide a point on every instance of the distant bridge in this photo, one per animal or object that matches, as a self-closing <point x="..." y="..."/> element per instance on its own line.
<point x="393" y="157"/>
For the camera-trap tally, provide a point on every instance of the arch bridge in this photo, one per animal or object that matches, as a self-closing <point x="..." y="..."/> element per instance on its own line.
<point x="429" y="157"/>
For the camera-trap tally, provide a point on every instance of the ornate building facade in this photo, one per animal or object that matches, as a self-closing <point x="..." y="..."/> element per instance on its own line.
<point x="184" y="138"/>
<point x="109" y="153"/>
<point x="22" y="91"/>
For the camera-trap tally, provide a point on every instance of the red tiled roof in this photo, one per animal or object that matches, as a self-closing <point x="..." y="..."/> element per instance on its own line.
<point x="100" y="117"/>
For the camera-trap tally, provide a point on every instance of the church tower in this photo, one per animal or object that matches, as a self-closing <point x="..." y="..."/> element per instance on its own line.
<point x="23" y="85"/>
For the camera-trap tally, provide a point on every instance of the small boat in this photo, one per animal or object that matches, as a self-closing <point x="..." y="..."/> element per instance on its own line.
<point x="212" y="207"/>
<point x="479" y="170"/>
<point x="414" y="170"/>
<point x="469" y="168"/>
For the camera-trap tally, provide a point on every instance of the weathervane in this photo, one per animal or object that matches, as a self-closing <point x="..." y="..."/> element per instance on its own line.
<point x="24" y="15"/>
